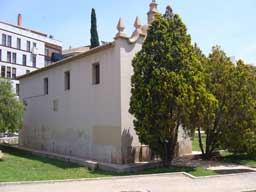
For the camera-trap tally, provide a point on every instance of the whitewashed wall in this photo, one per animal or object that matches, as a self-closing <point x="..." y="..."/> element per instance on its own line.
<point x="88" y="121"/>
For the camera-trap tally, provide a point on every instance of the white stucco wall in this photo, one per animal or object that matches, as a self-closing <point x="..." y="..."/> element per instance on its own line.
<point x="92" y="121"/>
<point x="88" y="121"/>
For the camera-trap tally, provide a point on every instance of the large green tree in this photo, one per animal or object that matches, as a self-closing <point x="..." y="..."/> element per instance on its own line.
<point x="94" y="32"/>
<point x="239" y="135"/>
<point x="11" y="109"/>
<point x="168" y="89"/>
<point x="232" y="125"/>
<point x="218" y="73"/>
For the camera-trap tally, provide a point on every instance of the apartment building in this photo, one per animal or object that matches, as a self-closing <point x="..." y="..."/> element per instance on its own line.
<point x="24" y="50"/>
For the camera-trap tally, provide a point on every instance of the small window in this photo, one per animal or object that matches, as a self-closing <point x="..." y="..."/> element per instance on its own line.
<point x="3" y="39"/>
<point x="14" y="58"/>
<point x="14" y="73"/>
<point x="28" y="46"/>
<point x="9" y="57"/>
<point x="55" y="105"/>
<point x="46" y="86"/>
<point x="24" y="59"/>
<point x="0" y="55"/>
<point x="96" y="73"/>
<point x="3" y="71"/>
<point x="9" y="42"/>
<point x="27" y="71"/>
<point x="34" y="44"/>
<point x="18" y="89"/>
<point x="46" y="52"/>
<point x="34" y="60"/>
<point x="18" y="43"/>
<point x="8" y="72"/>
<point x="67" y="80"/>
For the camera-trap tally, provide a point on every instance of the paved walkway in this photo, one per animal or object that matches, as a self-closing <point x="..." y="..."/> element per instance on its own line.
<point x="149" y="183"/>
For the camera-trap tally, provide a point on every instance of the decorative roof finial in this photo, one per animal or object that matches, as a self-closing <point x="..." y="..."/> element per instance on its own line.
<point x="137" y="23"/>
<point x="152" y="11"/>
<point x="153" y="5"/>
<point x="120" y="27"/>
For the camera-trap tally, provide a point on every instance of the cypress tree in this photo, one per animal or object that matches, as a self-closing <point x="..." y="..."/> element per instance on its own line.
<point x="94" y="32"/>
<point x="168" y="89"/>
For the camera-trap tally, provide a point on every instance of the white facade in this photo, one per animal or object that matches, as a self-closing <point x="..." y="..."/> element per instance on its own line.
<point x="16" y="56"/>
<point x="88" y="120"/>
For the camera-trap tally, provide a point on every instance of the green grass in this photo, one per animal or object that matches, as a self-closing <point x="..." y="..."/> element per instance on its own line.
<point x="238" y="159"/>
<point x="228" y="157"/>
<point x="195" y="143"/>
<point x="21" y="166"/>
<point x="197" y="171"/>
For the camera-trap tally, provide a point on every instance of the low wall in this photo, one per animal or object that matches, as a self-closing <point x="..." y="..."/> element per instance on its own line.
<point x="92" y="165"/>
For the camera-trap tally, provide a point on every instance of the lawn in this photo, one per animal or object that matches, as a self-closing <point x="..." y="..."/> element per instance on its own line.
<point x="228" y="157"/>
<point x="195" y="143"/>
<point x="238" y="159"/>
<point x="22" y="166"/>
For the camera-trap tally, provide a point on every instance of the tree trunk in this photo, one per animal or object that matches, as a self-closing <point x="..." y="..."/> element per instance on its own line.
<point x="201" y="142"/>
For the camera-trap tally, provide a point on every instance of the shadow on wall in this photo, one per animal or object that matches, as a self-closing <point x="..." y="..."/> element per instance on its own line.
<point x="128" y="152"/>
<point x="133" y="154"/>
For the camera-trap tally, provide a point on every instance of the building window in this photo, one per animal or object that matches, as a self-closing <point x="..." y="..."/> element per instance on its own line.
<point x="24" y="59"/>
<point x="34" y="60"/>
<point x="46" y="52"/>
<point x="28" y="46"/>
<point x="55" y="105"/>
<point x="96" y="74"/>
<point x="3" y="71"/>
<point x="9" y="42"/>
<point x="14" y="73"/>
<point x="67" y="80"/>
<point x="18" y="89"/>
<point x="3" y="39"/>
<point x="34" y="44"/>
<point x="27" y="71"/>
<point x="8" y="72"/>
<point x="9" y="57"/>
<point x="14" y="58"/>
<point x="0" y="55"/>
<point x="18" y="43"/>
<point x="46" y="86"/>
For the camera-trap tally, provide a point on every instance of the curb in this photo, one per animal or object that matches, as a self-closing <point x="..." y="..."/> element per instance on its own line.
<point x="120" y="177"/>
<point x="93" y="179"/>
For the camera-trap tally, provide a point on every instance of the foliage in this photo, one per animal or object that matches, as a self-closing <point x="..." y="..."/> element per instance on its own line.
<point x="167" y="86"/>
<point x="218" y="67"/>
<point x="11" y="109"/>
<point x="239" y="135"/>
<point x="94" y="32"/>
<point x="233" y="124"/>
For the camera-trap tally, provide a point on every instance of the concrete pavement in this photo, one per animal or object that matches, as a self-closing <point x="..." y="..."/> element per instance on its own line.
<point x="148" y="183"/>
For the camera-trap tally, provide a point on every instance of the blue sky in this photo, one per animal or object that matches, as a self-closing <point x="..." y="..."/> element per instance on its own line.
<point x="228" y="23"/>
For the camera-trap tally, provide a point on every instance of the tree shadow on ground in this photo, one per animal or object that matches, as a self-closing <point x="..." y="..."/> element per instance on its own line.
<point x="239" y="160"/>
<point x="233" y="171"/>
<point x="171" y="169"/>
